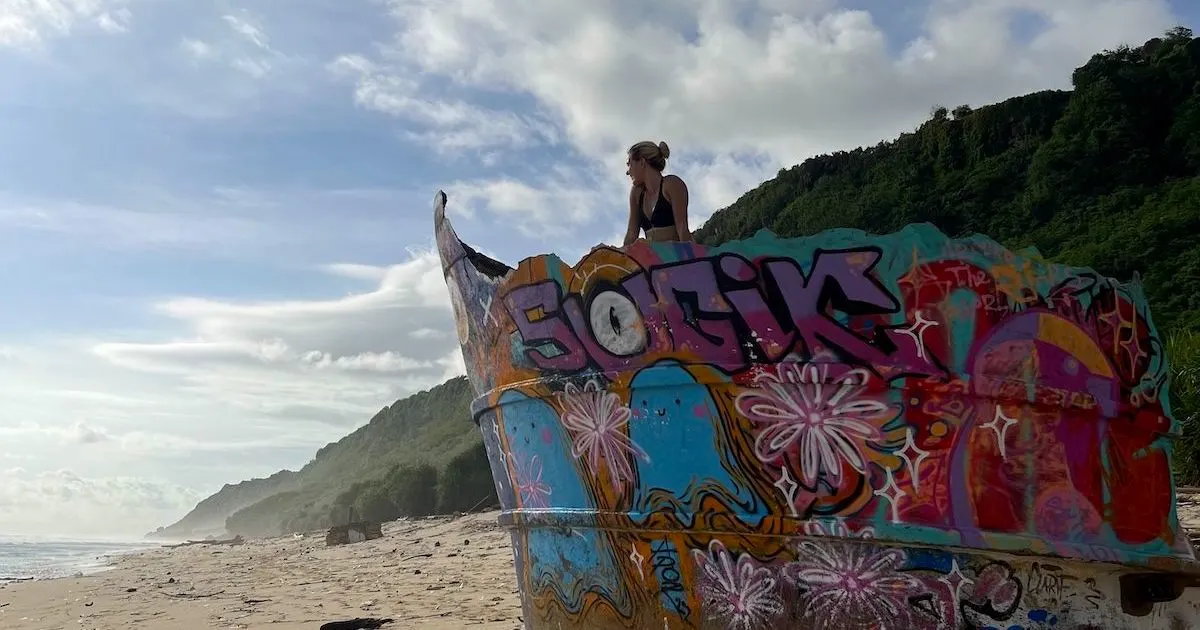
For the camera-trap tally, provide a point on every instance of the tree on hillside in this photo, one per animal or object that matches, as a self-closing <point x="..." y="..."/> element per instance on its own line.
<point x="413" y="488"/>
<point x="1183" y="348"/>
<point x="466" y="482"/>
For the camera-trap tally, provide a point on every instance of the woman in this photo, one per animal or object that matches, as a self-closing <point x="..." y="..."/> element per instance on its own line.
<point x="657" y="203"/>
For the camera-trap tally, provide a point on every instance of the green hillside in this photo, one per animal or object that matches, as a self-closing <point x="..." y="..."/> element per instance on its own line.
<point x="420" y="455"/>
<point x="208" y="517"/>
<point x="1106" y="175"/>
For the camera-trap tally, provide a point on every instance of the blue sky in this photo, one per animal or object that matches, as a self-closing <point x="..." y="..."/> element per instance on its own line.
<point x="215" y="217"/>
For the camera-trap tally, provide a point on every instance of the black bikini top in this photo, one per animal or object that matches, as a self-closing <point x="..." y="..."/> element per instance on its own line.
<point x="663" y="215"/>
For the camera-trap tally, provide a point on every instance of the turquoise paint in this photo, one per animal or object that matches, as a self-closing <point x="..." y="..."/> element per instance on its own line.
<point x="532" y="427"/>
<point x="683" y="446"/>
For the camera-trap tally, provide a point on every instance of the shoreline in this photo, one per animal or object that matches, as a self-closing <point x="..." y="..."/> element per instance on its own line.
<point x="440" y="572"/>
<point x="79" y="565"/>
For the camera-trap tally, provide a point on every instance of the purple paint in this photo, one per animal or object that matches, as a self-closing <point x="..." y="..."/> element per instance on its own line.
<point x="708" y="332"/>
<point x="716" y="308"/>
<point x="546" y="329"/>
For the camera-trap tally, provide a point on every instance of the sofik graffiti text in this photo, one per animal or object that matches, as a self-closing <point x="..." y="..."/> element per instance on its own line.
<point x="725" y="311"/>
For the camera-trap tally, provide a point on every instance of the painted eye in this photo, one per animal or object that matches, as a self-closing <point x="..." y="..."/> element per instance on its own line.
<point x="617" y="324"/>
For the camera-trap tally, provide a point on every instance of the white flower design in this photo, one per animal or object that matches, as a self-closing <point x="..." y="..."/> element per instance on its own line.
<point x="534" y="492"/>
<point x="741" y="591"/>
<point x="851" y="585"/>
<point x="829" y="422"/>
<point x="596" y="419"/>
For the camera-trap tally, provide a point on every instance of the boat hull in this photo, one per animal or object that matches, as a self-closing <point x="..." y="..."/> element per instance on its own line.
<point x="842" y="431"/>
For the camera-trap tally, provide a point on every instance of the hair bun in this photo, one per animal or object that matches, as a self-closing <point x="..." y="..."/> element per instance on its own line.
<point x="664" y="149"/>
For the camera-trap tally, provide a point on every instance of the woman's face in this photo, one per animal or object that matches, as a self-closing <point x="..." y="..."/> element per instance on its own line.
<point x="636" y="169"/>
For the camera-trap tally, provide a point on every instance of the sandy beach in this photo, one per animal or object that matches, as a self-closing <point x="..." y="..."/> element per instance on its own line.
<point x="440" y="572"/>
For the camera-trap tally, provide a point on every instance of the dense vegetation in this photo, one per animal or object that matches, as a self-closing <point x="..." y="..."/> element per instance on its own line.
<point x="1106" y="175"/>
<point x="419" y="456"/>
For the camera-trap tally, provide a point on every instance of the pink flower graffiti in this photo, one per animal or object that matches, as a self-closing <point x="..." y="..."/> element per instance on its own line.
<point x="596" y="420"/>
<point x="827" y="422"/>
<point x="851" y="585"/>
<point x="740" y="592"/>
<point x="534" y="492"/>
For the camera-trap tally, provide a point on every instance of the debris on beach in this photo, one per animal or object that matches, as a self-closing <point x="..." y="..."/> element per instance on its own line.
<point x="236" y="540"/>
<point x="353" y="532"/>
<point x="360" y="623"/>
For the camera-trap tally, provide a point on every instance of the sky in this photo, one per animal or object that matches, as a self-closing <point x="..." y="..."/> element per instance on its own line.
<point x="216" y="239"/>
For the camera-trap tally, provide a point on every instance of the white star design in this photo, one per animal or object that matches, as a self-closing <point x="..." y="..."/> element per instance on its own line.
<point x="999" y="425"/>
<point x="788" y="486"/>
<point x="892" y="493"/>
<point x="637" y="558"/>
<point x="955" y="580"/>
<point x="913" y="455"/>
<point x="917" y="332"/>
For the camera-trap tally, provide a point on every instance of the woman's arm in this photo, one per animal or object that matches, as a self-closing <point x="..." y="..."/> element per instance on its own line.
<point x="633" y="226"/>
<point x="677" y="193"/>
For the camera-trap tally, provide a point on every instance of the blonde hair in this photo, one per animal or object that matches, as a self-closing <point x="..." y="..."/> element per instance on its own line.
<point x="655" y="154"/>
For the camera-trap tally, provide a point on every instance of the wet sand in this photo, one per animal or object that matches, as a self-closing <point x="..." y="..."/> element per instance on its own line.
<point x="439" y="572"/>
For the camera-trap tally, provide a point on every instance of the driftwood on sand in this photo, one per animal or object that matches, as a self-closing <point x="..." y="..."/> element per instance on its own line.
<point x="359" y="623"/>
<point x="236" y="540"/>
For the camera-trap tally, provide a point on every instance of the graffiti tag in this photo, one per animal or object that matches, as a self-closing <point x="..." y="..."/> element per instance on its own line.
<point x="665" y="559"/>
<point x="725" y="310"/>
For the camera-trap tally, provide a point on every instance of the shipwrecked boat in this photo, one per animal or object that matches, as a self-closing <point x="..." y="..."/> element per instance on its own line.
<point x="844" y="431"/>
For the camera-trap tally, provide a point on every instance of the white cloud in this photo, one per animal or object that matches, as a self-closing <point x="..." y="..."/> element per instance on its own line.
<point x="28" y="23"/>
<point x="339" y="359"/>
<point x="62" y="502"/>
<point x="357" y="271"/>
<point x="738" y="90"/>
<point x="547" y="208"/>
<point x="243" y="26"/>
<point x="248" y="50"/>
<point x="454" y="125"/>
<point x="195" y="48"/>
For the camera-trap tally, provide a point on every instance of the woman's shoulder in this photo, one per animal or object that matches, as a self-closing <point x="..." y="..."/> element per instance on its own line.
<point x="673" y="180"/>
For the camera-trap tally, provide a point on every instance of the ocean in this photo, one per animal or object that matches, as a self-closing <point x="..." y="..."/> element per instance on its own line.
<point x="25" y="557"/>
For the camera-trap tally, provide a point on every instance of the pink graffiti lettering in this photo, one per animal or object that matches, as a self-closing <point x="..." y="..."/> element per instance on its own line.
<point x="725" y="310"/>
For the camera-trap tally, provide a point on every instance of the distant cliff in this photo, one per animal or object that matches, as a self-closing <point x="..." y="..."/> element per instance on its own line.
<point x="208" y="517"/>
<point x="420" y="455"/>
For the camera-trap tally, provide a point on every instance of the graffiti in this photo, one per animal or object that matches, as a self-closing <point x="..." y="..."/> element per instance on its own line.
<point x="1048" y="581"/>
<point x="534" y="492"/>
<point x="726" y="311"/>
<point x="665" y="560"/>
<point x="841" y="432"/>
<point x="739" y="592"/>
<point x="595" y="419"/>
<point x="830" y="427"/>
